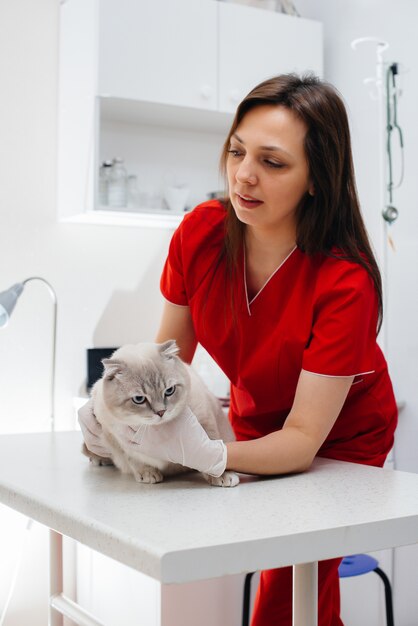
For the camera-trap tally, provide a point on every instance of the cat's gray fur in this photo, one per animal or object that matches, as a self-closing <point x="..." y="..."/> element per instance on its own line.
<point x="149" y="370"/>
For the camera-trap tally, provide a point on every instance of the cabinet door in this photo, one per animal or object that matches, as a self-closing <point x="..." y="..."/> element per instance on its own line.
<point x="159" y="50"/>
<point x="256" y="44"/>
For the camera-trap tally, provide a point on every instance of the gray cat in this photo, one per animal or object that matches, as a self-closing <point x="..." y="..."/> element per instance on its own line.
<point x="148" y="383"/>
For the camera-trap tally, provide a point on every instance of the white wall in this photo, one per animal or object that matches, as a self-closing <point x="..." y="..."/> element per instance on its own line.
<point x="120" y="267"/>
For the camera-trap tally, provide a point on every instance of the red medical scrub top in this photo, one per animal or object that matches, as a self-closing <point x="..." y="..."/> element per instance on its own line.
<point x="315" y="313"/>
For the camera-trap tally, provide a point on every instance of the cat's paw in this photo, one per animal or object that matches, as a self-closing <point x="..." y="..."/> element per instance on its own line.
<point x="228" y="479"/>
<point x="94" y="458"/>
<point x="100" y="461"/>
<point x="149" y="475"/>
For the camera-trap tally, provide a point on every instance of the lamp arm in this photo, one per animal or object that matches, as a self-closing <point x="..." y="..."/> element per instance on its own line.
<point x="54" y="343"/>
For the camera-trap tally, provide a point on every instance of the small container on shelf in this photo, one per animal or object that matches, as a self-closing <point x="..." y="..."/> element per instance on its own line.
<point x="217" y="195"/>
<point x="104" y="175"/>
<point x="176" y="197"/>
<point x="117" y="188"/>
<point x="132" y="192"/>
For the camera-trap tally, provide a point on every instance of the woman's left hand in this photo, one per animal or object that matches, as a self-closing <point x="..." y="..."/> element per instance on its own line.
<point x="181" y="440"/>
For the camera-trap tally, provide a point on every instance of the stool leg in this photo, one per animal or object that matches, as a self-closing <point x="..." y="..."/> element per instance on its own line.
<point x="388" y="596"/>
<point x="246" y="601"/>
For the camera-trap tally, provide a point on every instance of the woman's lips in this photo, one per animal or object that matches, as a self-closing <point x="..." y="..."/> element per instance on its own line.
<point x="247" y="202"/>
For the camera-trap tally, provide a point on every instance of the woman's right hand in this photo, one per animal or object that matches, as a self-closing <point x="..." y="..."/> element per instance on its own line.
<point x="92" y="431"/>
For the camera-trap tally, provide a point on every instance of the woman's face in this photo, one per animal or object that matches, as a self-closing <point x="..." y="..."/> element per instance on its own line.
<point x="267" y="169"/>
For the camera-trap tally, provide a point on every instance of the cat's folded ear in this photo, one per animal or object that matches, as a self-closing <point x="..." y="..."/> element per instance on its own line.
<point x="112" y="368"/>
<point x="169" y="348"/>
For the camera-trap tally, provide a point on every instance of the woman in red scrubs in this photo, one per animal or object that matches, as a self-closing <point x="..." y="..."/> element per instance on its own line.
<point x="280" y="285"/>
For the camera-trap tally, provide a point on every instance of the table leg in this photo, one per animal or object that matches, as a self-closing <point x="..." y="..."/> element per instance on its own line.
<point x="55" y="618"/>
<point x="305" y="594"/>
<point x="59" y="604"/>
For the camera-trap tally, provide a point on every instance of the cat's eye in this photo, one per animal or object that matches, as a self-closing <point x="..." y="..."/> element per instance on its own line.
<point x="169" y="391"/>
<point x="138" y="399"/>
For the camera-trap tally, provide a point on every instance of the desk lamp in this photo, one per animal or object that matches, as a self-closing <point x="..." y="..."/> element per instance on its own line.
<point x="8" y="301"/>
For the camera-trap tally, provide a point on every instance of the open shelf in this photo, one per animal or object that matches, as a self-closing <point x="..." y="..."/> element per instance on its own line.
<point x="164" y="115"/>
<point x="126" y="218"/>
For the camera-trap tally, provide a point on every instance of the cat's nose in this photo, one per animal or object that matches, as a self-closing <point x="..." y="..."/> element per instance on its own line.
<point x="161" y="413"/>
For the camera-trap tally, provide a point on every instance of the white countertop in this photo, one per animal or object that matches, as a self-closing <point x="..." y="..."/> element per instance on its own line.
<point x="183" y="529"/>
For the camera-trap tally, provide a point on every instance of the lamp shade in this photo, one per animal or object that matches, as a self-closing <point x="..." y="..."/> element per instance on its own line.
<point x="8" y="301"/>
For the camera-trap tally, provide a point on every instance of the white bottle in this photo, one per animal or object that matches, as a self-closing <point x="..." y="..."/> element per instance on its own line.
<point x="117" y="188"/>
<point x="104" y="174"/>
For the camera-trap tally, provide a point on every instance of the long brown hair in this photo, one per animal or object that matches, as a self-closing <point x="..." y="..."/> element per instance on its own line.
<point x="332" y="216"/>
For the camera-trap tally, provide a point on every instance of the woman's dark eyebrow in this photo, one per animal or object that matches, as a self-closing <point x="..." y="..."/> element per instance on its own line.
<point x="271" y="148"/>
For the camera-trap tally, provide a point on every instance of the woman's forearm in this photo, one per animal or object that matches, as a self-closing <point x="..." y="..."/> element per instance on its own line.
<point x="317" y="404"/>
<point x="284" y="451"/>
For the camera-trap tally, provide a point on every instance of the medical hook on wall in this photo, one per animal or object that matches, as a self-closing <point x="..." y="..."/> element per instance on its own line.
<point x="390" y="212"/>
<point x="386" y="80"/>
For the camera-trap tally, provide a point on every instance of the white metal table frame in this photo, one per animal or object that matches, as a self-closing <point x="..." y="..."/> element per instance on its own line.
<point x="305" y="592"/>
<point x="332" y="510"/>
<point x="59" y="604"/>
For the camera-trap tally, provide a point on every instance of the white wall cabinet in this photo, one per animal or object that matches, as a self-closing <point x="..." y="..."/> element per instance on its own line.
<point x="174" y="70"/>
<point x="202" y="54"/>
<point x="256" y="44"/>
<point x="159" y="51"/>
